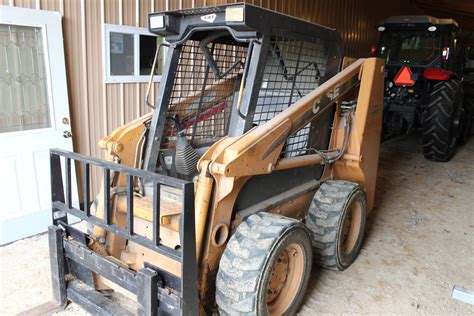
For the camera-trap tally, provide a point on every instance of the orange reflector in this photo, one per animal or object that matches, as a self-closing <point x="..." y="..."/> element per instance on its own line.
<point x="403" y="78"/>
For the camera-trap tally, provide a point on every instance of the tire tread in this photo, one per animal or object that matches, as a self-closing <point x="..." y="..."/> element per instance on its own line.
<point x="324" y="218"/>
<point x="244" y="259"/>
<point x="438" y="143"/>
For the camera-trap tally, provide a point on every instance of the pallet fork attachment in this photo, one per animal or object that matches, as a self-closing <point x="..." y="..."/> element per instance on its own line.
<point x="69" y="251"/>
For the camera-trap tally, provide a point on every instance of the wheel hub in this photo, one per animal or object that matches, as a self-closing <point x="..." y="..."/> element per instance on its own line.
<point x="278" y="277"/>
<point x="351" y="227"/>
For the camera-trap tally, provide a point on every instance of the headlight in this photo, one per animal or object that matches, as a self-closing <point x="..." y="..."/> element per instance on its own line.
<point x="234" y="14"/>
<point x="157" y="21"/>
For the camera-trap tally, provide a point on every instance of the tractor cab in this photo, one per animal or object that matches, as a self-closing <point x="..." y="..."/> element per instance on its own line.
<point x="423" y="56"/>
<point x="423" y="44"/>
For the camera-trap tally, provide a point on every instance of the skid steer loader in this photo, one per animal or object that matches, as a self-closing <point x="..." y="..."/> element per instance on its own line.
<point x="259" y="157"/>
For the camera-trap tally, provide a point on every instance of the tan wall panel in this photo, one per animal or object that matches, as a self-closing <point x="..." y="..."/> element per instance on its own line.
<point x="114" y="104"/>
<point x="97" y="110"/>
<point x="159" y="5"/>
<point x="174" y="4"/>
<point x="76" y="74"/>
<point x="142" y="106"/>
<point x="112" y="11"/>
<point x="129" y="12"/>
<point x="130" y="101"/>
<point x="200" y="3"/>
<point x="187" y="4"/>
<point x="32" y="4"/>
<point x="50" y="5"/>
<point x="145" y="7"/>
<point x="97" y="126"/>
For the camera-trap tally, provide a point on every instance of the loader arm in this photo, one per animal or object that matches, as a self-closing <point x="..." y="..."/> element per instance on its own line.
<point x="263" y="144"/>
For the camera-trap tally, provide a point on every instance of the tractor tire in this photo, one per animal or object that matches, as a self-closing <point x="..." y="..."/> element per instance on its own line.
<point x="336" y="218"/>
<point x="441" y="121"/>
<point x="265" y="267"/>
<point x="466" y="121"/>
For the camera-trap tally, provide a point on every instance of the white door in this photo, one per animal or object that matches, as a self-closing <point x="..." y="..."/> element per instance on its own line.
<point x="34" y="117"/>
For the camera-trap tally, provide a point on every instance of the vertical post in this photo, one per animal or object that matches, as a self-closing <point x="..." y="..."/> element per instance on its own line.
<point x="156" y="213"/>
<point x="189" y="286"/>
<point x="108" y="214"/>
<point x="130" y="204"/>
<point x="254" y="76"/>
<point x="147" y="292"/>
<point x="68" y="182"/>
<point x="57" y="189"/>
<point x="85" y="188"/>
<point x="58" y="264"/>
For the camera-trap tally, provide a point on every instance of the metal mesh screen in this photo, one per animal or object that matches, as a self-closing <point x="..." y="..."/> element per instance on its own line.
<point x="201" y="99"/>
<point x="292" y="70"/>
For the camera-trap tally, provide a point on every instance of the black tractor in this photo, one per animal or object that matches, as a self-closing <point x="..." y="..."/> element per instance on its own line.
<point x="424" y="59"/>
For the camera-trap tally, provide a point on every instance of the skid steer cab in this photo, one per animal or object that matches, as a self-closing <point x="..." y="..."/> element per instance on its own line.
<point x="260" y="154"/>
<point x="424" y="59"/>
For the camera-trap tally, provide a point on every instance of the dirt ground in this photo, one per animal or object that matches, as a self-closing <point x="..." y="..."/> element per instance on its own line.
<point x="419" y="244"/>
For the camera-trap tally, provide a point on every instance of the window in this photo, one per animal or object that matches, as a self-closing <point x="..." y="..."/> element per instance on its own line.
<point x="416" y="48"/>
<point x="24" y="101"/>
<point x="129" y="53"/>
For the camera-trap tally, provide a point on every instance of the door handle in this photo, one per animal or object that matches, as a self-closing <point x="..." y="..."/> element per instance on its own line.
<point x="67" y="134"/>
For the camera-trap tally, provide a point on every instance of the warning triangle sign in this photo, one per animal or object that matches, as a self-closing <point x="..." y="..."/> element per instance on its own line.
<point x="403" y="78"/>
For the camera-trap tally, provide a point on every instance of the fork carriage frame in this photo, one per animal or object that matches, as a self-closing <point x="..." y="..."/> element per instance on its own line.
<point x="72" y="255"/>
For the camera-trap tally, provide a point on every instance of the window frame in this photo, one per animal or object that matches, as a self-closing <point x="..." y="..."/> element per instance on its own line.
<point x="136" y="32"/>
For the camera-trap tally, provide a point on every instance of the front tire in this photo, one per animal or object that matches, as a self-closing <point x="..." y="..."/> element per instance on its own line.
<point x="265" y="267"/>
<point x="441" y="121"/>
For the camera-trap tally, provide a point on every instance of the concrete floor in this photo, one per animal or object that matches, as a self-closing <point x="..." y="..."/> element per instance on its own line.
<point x="419" y="244"/>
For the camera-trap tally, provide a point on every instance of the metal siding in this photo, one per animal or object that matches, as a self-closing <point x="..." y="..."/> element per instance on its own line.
<point x="111" y="11"/>
<point x="31" y="4"/>
<point x="50" y="5"/>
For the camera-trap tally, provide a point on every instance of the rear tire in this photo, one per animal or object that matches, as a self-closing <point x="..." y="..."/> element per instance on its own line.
<point x="441" y="121"/>
<point x="265" y="267"/>
<point x="336" y="218"/>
